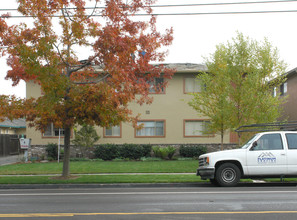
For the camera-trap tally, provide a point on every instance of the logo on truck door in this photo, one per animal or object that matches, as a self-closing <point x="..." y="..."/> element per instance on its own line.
<point x="266" y="157"/>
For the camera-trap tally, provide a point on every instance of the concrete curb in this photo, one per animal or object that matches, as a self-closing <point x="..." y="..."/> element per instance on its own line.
<point x="98" y="174"/>
<point x="81" y="186"/>
<point x="139" y="185"/>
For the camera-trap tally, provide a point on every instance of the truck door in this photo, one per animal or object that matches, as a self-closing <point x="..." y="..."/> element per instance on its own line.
<point x="292" y="153"/>
<point x="267" y="156"/>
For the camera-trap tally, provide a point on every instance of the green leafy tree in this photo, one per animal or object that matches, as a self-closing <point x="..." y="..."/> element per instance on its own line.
<point x="85" y="138"/>
<point x="213" y="101"/>
<point x="238" y="85"/>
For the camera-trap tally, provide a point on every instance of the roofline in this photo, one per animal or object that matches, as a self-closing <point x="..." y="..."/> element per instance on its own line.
<point x="291" y="72"/>
<point x="8" y="126"/>
<point x="178" y="67"/>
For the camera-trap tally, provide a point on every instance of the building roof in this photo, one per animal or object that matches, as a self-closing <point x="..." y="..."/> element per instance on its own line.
<point x="186" y="67"/>
<point x="16" y="123"/>
<point x="291" y="72"/>
<point x="179" y="67"/>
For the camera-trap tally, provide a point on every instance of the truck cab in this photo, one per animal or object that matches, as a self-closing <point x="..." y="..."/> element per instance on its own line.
<point x="265" y="155"/>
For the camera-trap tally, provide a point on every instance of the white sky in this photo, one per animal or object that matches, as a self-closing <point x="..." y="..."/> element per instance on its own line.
<point x="195" y="36"/>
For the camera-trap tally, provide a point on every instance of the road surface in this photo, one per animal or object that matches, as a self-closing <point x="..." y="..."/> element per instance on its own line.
<point x="151" y="203"/>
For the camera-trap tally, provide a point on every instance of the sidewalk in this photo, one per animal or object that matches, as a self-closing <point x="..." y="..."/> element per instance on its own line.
<point x="10" y="159"/>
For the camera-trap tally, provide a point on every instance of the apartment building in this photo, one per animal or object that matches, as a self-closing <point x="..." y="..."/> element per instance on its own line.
<point x="168" y="120"/>
<point x="289" y="88"/>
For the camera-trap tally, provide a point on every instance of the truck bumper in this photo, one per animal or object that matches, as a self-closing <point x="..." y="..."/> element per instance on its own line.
<point x="206" y="173"/>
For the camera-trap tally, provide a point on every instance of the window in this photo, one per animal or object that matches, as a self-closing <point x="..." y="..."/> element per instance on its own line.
<point x="274" y="92"/>
<point x="292" y="141"/>
<point x="283" y="88"/>
<point x="151" y="129"/>
<point x="157" y="85"/>
<point x="196" y="128"/>
<point x="269" y="142"/>
<point x="113" y="131"/>
<point x="192" y="85"/>
<point x="51" y="131"/>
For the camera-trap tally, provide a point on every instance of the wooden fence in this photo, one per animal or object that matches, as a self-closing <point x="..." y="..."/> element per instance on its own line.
<point x="9" y="144"/>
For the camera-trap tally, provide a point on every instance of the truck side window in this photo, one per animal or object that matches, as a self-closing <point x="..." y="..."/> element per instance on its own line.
<point x="292" y="141"/>
<point x="269" y="142"/>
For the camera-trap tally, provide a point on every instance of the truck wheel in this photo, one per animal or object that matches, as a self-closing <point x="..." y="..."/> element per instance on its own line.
<point x="227" y="174"/>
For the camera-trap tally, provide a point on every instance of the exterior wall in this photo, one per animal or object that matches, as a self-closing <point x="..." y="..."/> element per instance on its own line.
<point x="290" y="107"/>
<point x="7" y="131"/>
<point x="171" y="107"/>
<point x="18" y="131"/>
<point x="21" y="131"/>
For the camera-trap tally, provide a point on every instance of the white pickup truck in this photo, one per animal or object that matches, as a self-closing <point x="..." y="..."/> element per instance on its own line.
<point x="267" y="154"/>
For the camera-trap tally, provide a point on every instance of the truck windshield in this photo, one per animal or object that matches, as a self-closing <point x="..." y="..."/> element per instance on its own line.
<point x="250" y="141"/>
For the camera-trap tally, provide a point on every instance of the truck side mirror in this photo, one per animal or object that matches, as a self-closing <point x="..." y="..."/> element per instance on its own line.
<point x="255" y="144"/>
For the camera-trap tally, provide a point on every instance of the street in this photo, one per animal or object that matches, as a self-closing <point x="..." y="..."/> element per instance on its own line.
<point x="201" y="202"/>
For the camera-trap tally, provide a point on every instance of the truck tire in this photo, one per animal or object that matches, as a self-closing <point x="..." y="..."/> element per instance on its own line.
<point x="227" y="174"/>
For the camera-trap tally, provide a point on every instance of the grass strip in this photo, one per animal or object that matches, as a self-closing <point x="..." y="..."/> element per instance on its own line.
<point x="279" y="180"/>
<point x="100" y="179"/>
<point x="91" y="167"/>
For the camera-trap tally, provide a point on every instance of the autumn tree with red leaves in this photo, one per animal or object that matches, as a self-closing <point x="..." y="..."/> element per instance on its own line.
<point x="47" y="47"/>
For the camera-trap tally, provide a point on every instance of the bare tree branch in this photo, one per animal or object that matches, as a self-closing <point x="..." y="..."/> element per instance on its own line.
<point x="92" y="11"/>
<point x="59" y="52"/>
<point x="68" y="15"/>
<point x="93" y="82"/>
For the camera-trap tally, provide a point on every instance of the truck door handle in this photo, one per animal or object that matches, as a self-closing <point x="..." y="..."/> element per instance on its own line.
<point x="283" y="154"/>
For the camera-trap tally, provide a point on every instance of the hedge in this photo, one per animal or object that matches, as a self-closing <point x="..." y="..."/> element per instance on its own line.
<point x="192" y="150"/>
<point x="125" y="151"/>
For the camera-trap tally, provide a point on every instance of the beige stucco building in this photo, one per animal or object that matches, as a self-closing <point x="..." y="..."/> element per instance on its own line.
<point x="16" y="126"/>
<point x="168" y="120"/>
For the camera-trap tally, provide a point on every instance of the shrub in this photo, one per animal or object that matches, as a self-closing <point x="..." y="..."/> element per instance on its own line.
<point x="106" y="151"/>
<point x="146" y="149"/>
<point x="125" y="151"/>
<point x="156" y="151"/>
<point x="192" y="151"/>
<point x="52" y="151"/>
<point x="171" y="151"/>
<point x="131" y="151"/>
<point x="165" y="152"/>
<point x="85" y="138"/>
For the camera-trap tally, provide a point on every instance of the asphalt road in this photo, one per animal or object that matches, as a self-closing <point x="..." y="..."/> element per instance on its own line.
<point x="151" y="203"/>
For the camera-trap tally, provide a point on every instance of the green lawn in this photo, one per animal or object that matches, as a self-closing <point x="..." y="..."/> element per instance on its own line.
<point x="117" y="169"/>
<point x="96" y="167"/>
<point x="92" y="167"/>
<point x="106" y="179"/>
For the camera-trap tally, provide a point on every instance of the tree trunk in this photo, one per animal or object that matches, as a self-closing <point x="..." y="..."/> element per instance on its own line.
<point x="222" y="140"/>
<point x="66" y="160"/>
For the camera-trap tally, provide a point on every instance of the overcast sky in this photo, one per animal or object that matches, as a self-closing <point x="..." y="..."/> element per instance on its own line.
<point x="195" y="36"/>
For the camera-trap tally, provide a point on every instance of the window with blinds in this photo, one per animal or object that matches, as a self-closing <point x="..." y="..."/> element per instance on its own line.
<point x="197" y="128"/>
<point x="113" y="131"/>
<point x="192" y="85"/>
<point x="151" y="129"/>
